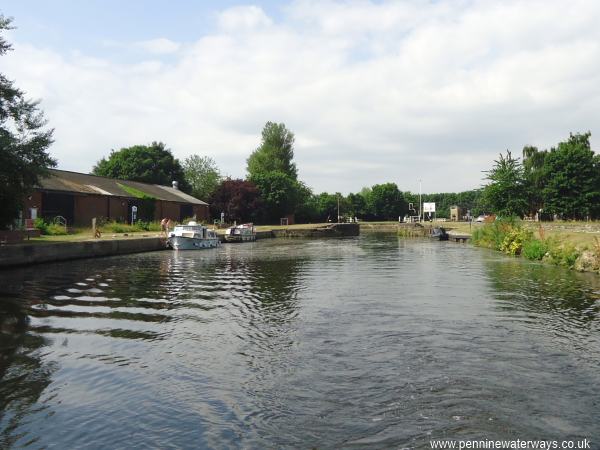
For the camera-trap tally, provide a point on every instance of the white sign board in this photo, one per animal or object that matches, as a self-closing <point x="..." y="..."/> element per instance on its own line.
<point x="429" y="207"/>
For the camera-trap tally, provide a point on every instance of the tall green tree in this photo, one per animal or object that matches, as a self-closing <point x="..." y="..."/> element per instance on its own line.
<point x="306" y="208"/>
<point x="327" y="206"/>
<point x="272" y="169"/>
<point x="152" y="163"/>
<point x="386" y="202"/>
<point x="24" y="143"/>
<point x="275" y="152"/>
<point x="280" y="194"/>
<point x="202" y="175"/>
<point x="533" y="171"/>
<point x="506" y="193"/>
<point x="357" y="205"/>
<point x="572" y="174"/>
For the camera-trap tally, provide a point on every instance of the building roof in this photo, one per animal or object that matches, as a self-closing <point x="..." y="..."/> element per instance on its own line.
<point x="82" y="183"/>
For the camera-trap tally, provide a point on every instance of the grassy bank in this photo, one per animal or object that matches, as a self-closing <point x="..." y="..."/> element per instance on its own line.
<point x="110" y="230"/>
<point x="575" y="245"/>
<point x="114" y="230"/>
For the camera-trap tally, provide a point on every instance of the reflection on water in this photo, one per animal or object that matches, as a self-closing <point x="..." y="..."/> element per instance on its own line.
<point x="538" y="288"/>
<point x="361" y="342"/>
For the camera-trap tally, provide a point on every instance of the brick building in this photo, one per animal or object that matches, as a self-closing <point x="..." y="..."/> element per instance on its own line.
<point x="79" y="197"/>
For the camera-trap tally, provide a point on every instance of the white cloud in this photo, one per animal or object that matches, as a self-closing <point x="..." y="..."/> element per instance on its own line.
<point x="375" y="92"/>
<point x="243" y="18"/>
<point x="159" y="46"/>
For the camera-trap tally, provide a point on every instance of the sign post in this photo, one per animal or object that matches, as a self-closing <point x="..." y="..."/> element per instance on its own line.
<point x="429" y="208"/>
<point x="133" y="214"/>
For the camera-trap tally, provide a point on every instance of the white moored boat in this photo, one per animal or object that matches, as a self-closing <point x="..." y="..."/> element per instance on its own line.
<point x="192" y="237"/>
<point x="240" y="233"/>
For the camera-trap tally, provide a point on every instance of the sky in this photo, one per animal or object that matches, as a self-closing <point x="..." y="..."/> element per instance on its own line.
<point x="374" y="91"/>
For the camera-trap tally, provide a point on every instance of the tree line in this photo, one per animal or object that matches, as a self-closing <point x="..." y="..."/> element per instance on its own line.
<point x="561" y="182"/>
<point x="271" y="189"/>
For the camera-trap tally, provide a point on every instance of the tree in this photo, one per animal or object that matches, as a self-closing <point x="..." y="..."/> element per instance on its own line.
<point x="386" y="202"/>
<point x="357" y="205"/>
<point x="280" y="194"/>
<point x="152" y="163"/>
<point x="24" y="141"/>
<point x="202" y="175"/>
<point x="275" y="153"/>
<point x="572" y="174"/>
<point x="327" y="207"/>
<point x="306" y="209"/>
<point x="533" y="171"/>
<point x="238" y="199"/>
<point x="506" y="194"/>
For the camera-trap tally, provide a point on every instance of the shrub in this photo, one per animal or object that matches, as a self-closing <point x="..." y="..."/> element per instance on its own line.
<point x="514" y="239"/>
<point x="500" y="234"/>
<point x="51" y="229"/>
<point x="56" y="230"/>
<point x="116" y="227"/>
<point x="140" y="225"/>
<point x="146" y="226"/>
<point x="562" y="254"/>
<point x="569" y="255"/>
<point x="41" y="225"/>
<point x="535" y="249"/>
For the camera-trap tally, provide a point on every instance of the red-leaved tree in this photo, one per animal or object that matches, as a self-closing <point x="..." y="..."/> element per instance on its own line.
<point x="238" y="199"/>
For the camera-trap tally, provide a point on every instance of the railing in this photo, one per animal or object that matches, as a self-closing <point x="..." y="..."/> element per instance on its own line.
<point x="60" y="220"/>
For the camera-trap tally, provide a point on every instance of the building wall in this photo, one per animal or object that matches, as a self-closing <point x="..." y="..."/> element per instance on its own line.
<point x="169" y="210"/>
<point x="172" y="210"/>
<point x="456" y="213"/>
<point x="111" y="208"/>
<point x="32" y="201"/>
<point x="118" y="209"/>
<point x="202" y="213"/>
<point x="89" y="206"/>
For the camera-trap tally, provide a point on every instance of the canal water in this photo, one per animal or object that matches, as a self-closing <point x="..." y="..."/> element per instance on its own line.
<point x="369" y="342"/>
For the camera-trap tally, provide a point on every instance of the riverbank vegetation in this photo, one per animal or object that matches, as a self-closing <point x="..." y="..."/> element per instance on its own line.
<point x="532" y="241"/>
<point x="560" y="183"/>
<point x="54" y="229"/>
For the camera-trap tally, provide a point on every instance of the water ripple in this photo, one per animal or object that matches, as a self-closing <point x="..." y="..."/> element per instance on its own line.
<point x="372" y="342"/>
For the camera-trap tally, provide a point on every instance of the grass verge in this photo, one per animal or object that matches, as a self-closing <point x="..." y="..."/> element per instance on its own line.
<point x="513" y="237"/>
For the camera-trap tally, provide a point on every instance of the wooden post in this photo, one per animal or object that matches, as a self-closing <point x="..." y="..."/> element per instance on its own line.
<point x="94" y="227"/>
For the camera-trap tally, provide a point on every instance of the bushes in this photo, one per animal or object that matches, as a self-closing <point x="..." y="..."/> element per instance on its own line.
<point x="510" y="237"/>
<point x="514" y="239"/>
<point x="116" y="227"/>
<point x="535" y="249"/>
<point x="562" y="254"/>
<point x="499" y="235"/>
<point x="41" y="225"/>
<point x="56" y="230"/>
<point x="147" y="226"/>
<point x="51" y="229"/>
